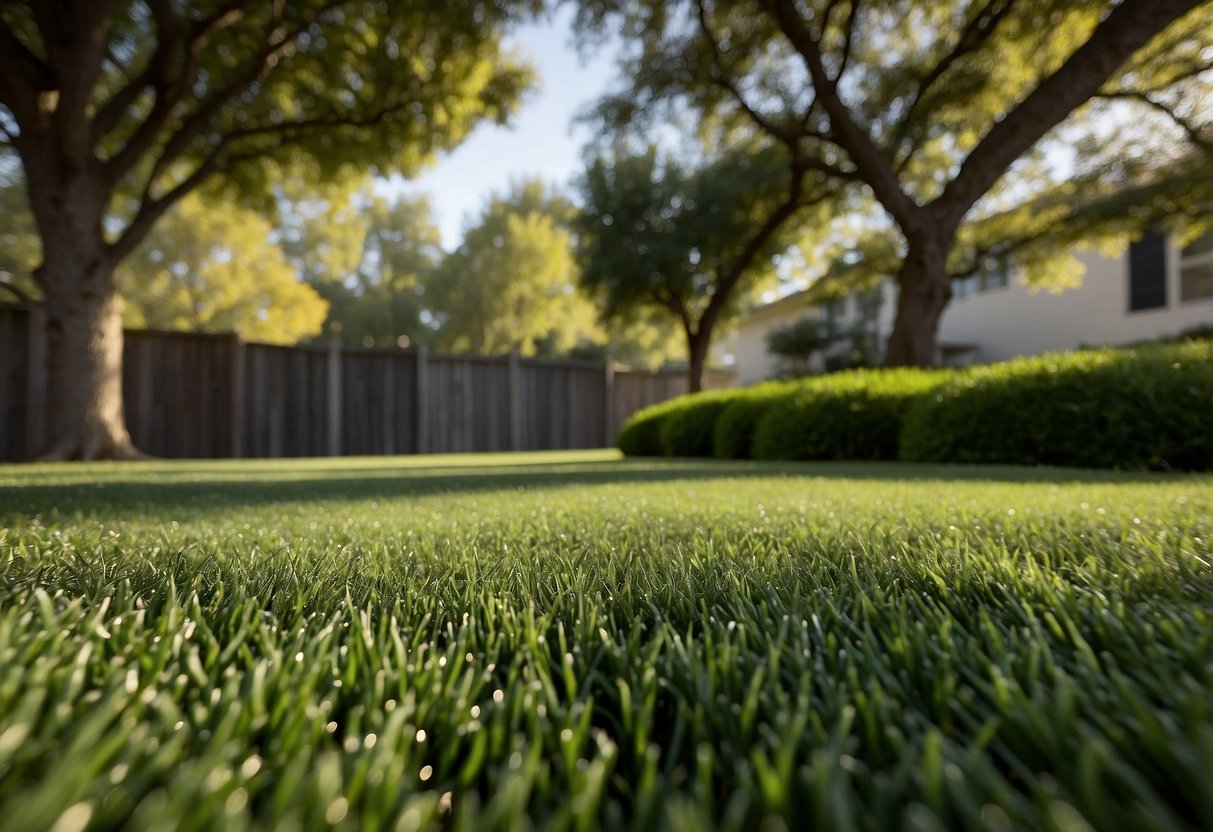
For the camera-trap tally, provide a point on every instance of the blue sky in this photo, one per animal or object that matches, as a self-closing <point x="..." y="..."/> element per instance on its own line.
<point x="540" y="142"/>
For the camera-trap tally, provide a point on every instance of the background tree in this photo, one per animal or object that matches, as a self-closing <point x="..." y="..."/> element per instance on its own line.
<point x="19" y="247"/>
<point x="928" y="104"/>
<point x="386" y="296"/>
<point x="368" y="256"/>
<point x="693" y="242"/>
<point x="319" y="226"/>
<point x="119" y="108"/>
<point x="512" y="282"/>
<point x="208" y="268"/>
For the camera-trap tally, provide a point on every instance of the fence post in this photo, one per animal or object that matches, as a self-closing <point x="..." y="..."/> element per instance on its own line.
<point x="389" y="405"/>
<point x="423" y="411"/>
<point x="515" y="401"/>
<point x="236" y="429"/>
<point x="36" y="412"/>
<point x="608" y="421"/>
<point x="334" y="395"/>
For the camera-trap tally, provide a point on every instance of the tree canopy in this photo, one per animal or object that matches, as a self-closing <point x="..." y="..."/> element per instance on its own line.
<point x="512" y="282"/>
<point x="925" y="105"/>
<point x="118" y="109"/>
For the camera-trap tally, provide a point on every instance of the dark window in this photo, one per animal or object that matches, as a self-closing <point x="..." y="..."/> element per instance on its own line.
<point x="1148" y="272"/>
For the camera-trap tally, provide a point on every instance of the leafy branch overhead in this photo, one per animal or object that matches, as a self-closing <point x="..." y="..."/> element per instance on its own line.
<point x="927" y="105"/>
<point x="119" y="109"/>
<point x="171" y="95"/>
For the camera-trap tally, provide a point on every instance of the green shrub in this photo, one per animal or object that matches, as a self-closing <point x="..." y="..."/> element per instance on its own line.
<point x="1150" y="407"/>
<point x="845" y="416"/>
<point x="689" y="428"/>
<point x="641" y="433"/>
<point x="734" y="429"/>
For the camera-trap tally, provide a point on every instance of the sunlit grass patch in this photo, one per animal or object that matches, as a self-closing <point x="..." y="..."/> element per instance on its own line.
<point x="574" y="640"/>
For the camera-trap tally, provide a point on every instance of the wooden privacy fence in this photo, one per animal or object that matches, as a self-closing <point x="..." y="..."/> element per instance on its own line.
<point x="191" y="395"/>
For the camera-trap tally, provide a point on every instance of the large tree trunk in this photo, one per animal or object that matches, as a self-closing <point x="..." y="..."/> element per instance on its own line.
<point x="924" y="294"/>
<point x="84" y="328"/>
<point x="83" y="310"/>
<point x="84" y="338"/>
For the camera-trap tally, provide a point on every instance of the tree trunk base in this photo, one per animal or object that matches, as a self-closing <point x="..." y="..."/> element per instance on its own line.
<point x="91" y="449"/>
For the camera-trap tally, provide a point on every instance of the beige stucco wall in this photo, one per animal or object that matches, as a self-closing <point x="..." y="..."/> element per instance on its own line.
<point x="1012" y="321"/>
<point x="748" y="344"/>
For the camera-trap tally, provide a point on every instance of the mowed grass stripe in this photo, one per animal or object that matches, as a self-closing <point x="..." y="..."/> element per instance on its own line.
<point x="575" y="642"/>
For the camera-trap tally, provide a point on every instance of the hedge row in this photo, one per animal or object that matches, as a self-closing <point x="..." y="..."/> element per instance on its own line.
<point x="1148" y="407"/>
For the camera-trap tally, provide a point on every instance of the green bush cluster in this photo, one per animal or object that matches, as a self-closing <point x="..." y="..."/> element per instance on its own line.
<point x="1150" y="407"/>
<point x="1147" y="407"/>
<point x="845" y="416"/>
<point x="734" y="428"/>
<point x="646" y="433"/>
<point x="691" y="430"/>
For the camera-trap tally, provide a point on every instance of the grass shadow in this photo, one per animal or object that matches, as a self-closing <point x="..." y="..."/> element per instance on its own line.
<point x="191" y="486"/>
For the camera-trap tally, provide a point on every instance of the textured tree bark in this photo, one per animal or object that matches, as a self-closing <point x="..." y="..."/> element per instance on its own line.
<point x="84" y="316"/>
<point x="924" y="294"/>
<point x="84" y="329"/>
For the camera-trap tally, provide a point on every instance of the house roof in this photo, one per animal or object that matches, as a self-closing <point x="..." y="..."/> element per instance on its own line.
<point x="801" y="299"/>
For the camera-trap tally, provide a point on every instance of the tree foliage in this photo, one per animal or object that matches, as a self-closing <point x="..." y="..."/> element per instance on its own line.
<point x="369" y="257"/>
<point x="118" y="110"/>
<point x="692" y="241"/>
<point x="20" y="250"/>
<point x="511" y="284"/>
<point x="208" y="268"/>
<point x="927" y="104"/>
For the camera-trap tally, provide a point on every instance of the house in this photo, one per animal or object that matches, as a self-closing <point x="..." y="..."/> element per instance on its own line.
<point x="1153" y="289"/>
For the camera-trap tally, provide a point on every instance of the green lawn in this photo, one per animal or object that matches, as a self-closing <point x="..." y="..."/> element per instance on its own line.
<point x="574" y="640"/>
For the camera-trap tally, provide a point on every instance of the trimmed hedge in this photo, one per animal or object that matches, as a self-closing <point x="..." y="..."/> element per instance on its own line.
<point x="1150" y="407"/>
<point x="690" y="430"/>
<point x="641" y="433"/>
<point x="852" y="415"/>
<point x="734" y="429"/>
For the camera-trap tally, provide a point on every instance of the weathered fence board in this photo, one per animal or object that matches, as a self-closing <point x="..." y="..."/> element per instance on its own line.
<point x="214" y="396"/>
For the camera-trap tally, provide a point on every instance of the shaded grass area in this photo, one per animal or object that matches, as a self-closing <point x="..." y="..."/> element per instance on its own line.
<point x="572" y="641"/>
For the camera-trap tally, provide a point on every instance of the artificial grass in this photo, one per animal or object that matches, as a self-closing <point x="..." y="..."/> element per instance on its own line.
<point x="575" y="641"/>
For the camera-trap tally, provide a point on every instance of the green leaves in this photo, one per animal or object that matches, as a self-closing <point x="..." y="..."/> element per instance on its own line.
<point x="210" y="268"/>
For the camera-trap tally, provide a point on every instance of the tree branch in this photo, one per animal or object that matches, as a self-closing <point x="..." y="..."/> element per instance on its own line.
<point x="1127" y="28"/>
<point x="221" y="160"/>
<point x="974" y="35"/>
<point x="1201" y="137"/>
<point x="22" y="77"/>
<point x="156" y="73"/>
<point x="276" y="45"/>
<point x="717" y="76"/>
<point x="869" y="162"/>
<point x="745" y="258"/>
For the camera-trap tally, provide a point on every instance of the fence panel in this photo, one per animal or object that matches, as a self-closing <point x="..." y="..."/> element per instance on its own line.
<point x="468" y="400"/>
<point x="285" y="401"/>
<point x="563" y="405"/>
<point x="379" y="402"/>
<point x="210" y="396"/>
<point x="178" y="391"/>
